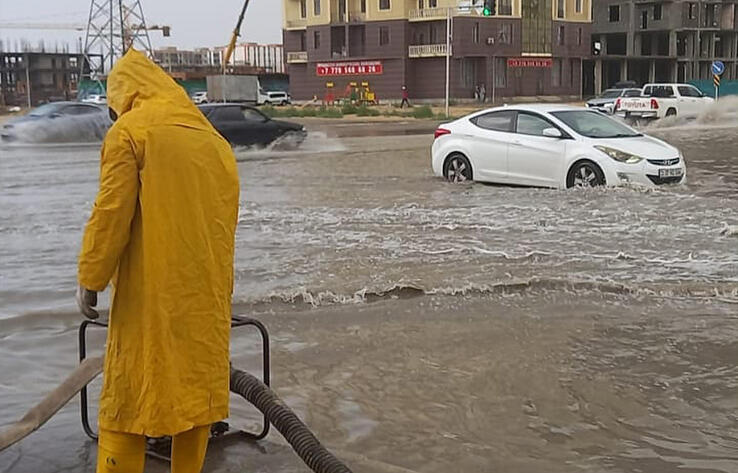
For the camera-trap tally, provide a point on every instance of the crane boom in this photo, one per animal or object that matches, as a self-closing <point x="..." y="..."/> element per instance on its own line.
<point x="43" y="26"/>
<point x="234" y="37"/>
<point x="76" y="27"/>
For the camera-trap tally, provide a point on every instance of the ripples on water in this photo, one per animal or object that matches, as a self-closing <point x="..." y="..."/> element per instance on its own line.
<point x="428" y="325"/>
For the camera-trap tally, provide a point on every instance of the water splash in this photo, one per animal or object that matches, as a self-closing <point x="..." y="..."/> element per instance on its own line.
<point x="719" y="114"/>
<point x="291" y="145"/>
<point x="67" y="130"/>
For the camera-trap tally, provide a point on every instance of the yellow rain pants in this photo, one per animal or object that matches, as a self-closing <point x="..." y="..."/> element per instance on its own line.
<point x="125" y="453"/>
<point x="162" y="230"/>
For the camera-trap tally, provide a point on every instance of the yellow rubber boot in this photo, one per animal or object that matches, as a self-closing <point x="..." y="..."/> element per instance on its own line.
<point x="188" y="450"/>
<point x="120" y="453"/>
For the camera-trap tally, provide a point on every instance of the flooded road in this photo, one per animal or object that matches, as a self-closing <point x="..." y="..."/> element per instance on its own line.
<point x="421" y="326"/>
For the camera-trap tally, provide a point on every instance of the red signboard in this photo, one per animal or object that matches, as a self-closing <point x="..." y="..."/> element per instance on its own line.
<point x="529" y="62"/>
<point x="362" y="68"/>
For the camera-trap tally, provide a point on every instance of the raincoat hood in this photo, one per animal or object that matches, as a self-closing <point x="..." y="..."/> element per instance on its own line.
<point x="135" y="81"/>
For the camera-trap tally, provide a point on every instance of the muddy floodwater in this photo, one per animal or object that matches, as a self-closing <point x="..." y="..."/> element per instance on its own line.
<point x="419" y="326"/>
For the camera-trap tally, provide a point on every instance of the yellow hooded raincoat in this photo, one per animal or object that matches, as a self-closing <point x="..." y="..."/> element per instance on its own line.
<point x="162" y="229"/>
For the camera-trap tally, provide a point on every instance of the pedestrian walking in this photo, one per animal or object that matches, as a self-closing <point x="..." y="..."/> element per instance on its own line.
<point x="405" y="97"/>
<point x="483" y="93"/>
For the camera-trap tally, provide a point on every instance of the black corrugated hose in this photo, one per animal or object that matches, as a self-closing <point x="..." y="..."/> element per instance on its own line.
<point x="307" y="446"/>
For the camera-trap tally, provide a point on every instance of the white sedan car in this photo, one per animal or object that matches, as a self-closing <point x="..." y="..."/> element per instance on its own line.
<point x="552" y="146"/>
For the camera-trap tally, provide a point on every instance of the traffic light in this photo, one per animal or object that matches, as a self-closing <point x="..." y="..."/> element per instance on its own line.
<point x="490" y="8"/>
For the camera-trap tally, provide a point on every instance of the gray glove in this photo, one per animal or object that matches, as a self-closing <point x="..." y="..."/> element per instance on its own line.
<point x="86" y="300"/>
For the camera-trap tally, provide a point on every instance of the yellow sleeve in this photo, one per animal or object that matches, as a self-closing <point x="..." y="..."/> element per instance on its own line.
<point x="108" y="229"/>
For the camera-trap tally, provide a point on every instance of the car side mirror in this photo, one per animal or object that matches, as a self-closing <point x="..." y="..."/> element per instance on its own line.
<point x="55" y="115"/>
<point x="552" y="133"/>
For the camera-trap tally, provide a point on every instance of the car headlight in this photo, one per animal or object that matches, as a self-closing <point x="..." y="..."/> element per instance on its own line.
<point x="620" y="156"/>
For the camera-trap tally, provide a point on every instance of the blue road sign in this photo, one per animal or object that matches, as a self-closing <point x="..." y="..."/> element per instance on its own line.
<point x="718" y="68"/>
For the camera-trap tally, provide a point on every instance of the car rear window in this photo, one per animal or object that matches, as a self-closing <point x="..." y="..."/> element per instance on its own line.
<point x="660" y="91"/>
<point x="496" y="121"/>
<point x="633" y="93"/>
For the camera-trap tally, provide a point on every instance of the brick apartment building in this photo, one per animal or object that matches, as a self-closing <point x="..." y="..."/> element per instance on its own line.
<point x="663" y="41"/>
<point x="528" y="48"/>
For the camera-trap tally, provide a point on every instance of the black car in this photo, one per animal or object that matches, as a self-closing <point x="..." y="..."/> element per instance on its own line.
<point x="243" y="125"/>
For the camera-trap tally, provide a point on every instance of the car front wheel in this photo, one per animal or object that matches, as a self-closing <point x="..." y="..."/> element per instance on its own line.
<point x="585" y="174"/>
<point x="458" y="169"/>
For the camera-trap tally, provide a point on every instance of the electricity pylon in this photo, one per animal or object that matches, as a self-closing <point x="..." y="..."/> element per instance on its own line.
<point x="112" y="28"/>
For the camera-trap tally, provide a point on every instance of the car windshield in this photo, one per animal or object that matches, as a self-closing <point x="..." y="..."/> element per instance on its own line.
<point x="594" y="124"/>
<point x="611" y="94"/>
<point x="45" y="110"/>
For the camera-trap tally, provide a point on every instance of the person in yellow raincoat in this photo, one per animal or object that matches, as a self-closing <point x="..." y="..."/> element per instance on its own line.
<point x="162" y="230"/>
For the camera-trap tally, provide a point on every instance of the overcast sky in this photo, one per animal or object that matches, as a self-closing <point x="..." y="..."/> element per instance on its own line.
<point x="194" y="23"/>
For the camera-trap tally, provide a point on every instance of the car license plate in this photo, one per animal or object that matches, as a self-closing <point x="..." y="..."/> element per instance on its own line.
<point x="675" y="172"/>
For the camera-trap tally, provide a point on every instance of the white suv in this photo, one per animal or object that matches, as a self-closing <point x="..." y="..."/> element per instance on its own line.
<point x="200" y="97"/>
<point x="274" y="98"/>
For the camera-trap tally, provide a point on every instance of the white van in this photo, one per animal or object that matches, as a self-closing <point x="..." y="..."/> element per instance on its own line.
<point x="274" y="98"/>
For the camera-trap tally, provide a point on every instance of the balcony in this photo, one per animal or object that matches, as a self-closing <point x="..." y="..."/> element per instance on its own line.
<point x="296" y="24"/>
<point x="357" y="17"/>
<point x="427" y="14"/>
<point x="504" y="9"/>
<point x="429" y="50"/>
<point x="297" y="57"/>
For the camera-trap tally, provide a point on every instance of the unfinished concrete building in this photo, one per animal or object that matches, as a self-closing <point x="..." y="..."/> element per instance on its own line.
<point x="33" y="77"/>
<point x="663" y="41"/>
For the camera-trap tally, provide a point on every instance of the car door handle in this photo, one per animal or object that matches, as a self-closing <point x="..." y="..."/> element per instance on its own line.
<point x="517" y="142"/>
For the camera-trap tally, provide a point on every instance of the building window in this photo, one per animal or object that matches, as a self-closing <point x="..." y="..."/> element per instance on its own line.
<point x="644" y="19"/>
<point x="433" y="34"/>
<point x="561" y="36"/>
<point x="316" y="40"/>
<point x="572" y="69"/>
<point x="556" y="73"/>
<point x="303" y="41"/>
<point x="421" y="4"/>
<point x="657" y="11"/>
<point x="500" y="72"/>
<point x="505" y="36"/>
<point x="316" y="7"/>
<point x="384" y="35"/>
<point x="475" y="33"/>
<point x="468" y="73"/>
<point x="560" y="8"/>
<point x="614" y="13"/>
<point x="578" y="6"/>
<point x="579" y="36"/>
<point x="384" y="4"/>
<point x="432" y="3"/>
<point x="536" y="27"/>
<point x="303" y="8"/>
<point x="692" y="11"/>
<point x="504" y="7"/>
